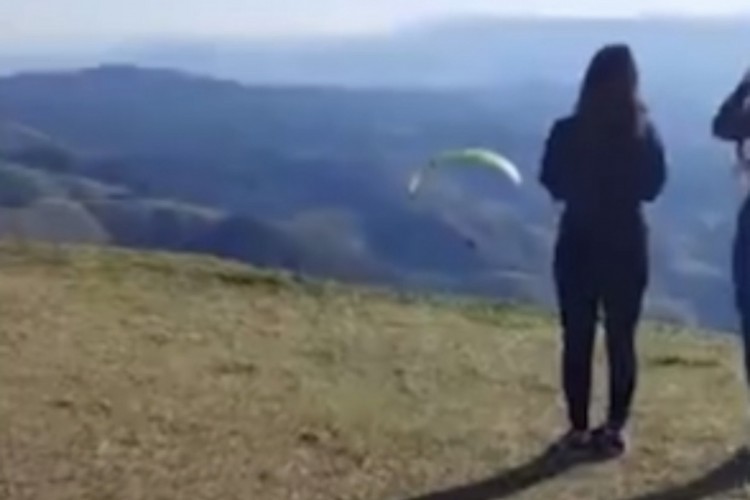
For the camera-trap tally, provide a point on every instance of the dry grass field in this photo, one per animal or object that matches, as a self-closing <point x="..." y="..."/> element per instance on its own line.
<point x="130" y="376"/>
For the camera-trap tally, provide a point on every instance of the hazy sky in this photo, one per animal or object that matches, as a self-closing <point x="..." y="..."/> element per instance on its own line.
<point x="35" y="20"/>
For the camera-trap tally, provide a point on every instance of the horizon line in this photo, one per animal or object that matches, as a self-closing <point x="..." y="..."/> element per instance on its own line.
<point x="406" y="27"/>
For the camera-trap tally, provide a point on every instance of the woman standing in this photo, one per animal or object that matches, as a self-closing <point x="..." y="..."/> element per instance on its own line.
<point x="602" y="163"/>
<point x="732" y="123"/>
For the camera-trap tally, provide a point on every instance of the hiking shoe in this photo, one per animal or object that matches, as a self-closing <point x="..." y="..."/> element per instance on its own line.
<point x="609" y="442"/>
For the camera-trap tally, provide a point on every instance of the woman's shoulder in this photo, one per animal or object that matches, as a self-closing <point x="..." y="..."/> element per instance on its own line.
<point x="566" y="122"/>
<point x="645" y="122"/>
<point x="647" y="129"/>
<point x="563" y="126"/>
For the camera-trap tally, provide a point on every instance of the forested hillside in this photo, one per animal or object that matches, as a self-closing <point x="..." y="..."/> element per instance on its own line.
<point x="314" y="180"/>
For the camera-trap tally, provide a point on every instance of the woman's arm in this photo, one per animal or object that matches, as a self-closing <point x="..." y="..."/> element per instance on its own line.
<point x="554" y="163"/>
<point x="732" y="122"/>
<point x="653" y="166"/>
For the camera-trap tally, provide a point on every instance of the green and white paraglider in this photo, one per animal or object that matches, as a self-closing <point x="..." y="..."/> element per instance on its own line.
<point x="465" y="157"/>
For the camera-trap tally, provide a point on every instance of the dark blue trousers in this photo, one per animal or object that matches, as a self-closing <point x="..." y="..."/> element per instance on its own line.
<point x="600" y="275"/>
<point x="741" y="278"/>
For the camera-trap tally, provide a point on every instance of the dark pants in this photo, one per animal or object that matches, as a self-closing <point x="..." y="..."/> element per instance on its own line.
<point x="604" y="273"/>
<point x="741" y="276"/>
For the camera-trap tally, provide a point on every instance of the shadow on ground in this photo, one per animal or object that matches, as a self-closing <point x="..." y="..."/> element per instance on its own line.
<point x="729" y="476"/>
<point x="544" y="467"/>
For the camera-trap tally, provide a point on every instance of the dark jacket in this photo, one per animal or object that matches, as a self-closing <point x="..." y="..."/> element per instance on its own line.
<point x="732" y="123"/>
<point x="602" y="180"/>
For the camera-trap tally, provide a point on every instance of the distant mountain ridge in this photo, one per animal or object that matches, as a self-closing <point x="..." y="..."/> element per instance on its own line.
<point x="313" y="179"/>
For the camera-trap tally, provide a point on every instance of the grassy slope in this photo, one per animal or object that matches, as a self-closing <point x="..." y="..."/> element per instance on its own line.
<point x="124" y="376"/>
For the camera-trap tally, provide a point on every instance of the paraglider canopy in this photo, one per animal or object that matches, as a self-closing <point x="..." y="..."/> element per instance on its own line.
<point x="466" y="157"/>
<point x="450" y="197"/>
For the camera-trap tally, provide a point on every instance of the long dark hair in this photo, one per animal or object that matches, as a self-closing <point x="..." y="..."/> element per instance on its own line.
<point x="609" y="101"/>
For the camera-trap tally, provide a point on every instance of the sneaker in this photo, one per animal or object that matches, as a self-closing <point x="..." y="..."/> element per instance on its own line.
<point x="609" y="441"/>
<point x="573" y="441"/>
